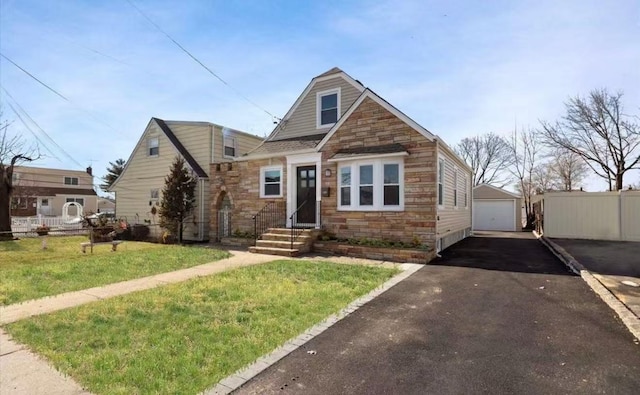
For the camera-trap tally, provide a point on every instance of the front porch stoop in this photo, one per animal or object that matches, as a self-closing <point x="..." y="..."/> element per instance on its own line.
<point x="277" y="241"/>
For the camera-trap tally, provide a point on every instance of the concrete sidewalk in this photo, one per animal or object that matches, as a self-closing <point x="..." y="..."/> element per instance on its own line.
<point x="23" y="372"/>
<point x="49" y="304"/>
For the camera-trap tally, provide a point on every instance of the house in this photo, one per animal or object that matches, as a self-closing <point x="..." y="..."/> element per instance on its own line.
<point x="496" y="209"/>
<point x="138" y="190"/>
<point x="106" y="205"/>
<point x="345" y="160"/>
<point x="43" y="191"/>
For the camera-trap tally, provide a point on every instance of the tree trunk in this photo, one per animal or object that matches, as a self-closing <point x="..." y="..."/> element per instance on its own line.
<point x="5" y="213"/>
<point x="180" y="233"/>
<point x="619" y="185"/>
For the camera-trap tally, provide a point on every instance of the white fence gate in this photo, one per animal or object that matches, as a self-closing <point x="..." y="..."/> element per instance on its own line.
<point x="592" y="215"/>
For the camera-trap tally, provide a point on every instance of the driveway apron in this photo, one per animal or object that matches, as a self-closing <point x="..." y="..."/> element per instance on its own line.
<point x="494" y="315"/>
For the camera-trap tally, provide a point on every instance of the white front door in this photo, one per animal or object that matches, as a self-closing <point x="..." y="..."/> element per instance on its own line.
<point x="44" y="206"/>
<point x="494" y="215"/>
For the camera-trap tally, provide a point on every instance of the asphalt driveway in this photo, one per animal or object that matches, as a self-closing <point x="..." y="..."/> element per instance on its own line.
<point x="494" y="315"/>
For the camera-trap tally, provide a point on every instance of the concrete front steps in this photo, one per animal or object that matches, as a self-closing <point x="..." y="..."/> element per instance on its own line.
<point x="277" y="241"/>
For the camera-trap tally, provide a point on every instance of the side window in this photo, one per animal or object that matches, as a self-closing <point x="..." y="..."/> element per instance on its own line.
<point x="440" y="182"/>
<point x="229" y="147"/>
<point x="154" y="146"/>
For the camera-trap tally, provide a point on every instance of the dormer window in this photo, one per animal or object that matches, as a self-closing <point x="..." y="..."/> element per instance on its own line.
<point x="229" y="147"/>
<point x="71" y="181"/>
<point x="328" y="108"/>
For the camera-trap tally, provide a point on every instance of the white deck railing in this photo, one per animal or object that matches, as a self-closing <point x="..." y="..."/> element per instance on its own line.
<point x="29" y="224"/>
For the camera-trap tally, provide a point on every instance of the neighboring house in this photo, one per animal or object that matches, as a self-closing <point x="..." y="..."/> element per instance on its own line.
<point x="106" y="205"/>
<point x="345" y="160"/>
<point x="496" y="209"/>
<point x="139" y="188"/>
<point x="43" y="191"/>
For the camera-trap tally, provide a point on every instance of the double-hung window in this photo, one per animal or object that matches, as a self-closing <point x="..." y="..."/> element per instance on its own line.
<point x="327" y="108"/>
<point x="71" y="181"/>
<point x="154" y="194"/>
<point x="440" y="182"/>
<point x="229" y="147"/>
<point x="153" y="145"/>
<point x="80" y="201"/>
<point x="271" y="181"/>
<point x="371" y="185"/>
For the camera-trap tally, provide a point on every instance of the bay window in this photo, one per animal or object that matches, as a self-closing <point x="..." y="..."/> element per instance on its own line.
<point x="372" y="185"/>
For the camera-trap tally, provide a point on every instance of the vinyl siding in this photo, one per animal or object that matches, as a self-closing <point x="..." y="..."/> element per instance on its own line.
<point x="302" y="121"/>
<point x="450" y="218"/>
<point x="196" y="139"/>
<point x="144" y="173"/>
<point x="39" y="176"/>
<point x="90" y="204"/>
<point x="244" y="143"/>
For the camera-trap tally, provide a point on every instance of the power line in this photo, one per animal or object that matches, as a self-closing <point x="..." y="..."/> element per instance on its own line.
<point x="198" y="61"/>
<point x="32" y="132"/>
<point x="39" y="128"/>
<point x="32" y="76"/>
<point x="61" y="96"/>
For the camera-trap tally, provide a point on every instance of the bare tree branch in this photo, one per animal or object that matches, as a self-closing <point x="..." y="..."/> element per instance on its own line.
<point x="597" y="130"/>
<point x="489" y="157"/>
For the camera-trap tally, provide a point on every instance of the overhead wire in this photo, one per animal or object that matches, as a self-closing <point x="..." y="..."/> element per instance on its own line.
<point x="39" y="128"/>
<point x="237" y="92"/>
<point x="89" y="113"/>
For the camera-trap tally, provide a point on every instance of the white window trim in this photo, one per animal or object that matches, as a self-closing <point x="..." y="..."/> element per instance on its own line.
<point x="442" y="166"/>
<point x="157" y="190"/>
<point x="64" y="181"/>
<point x="75" y="200"/>
<point x="149" y="140"/>
<point x="262" y="183"/>
<point x="319" y="96"/>
<point x="378" y="185"/>
<point x="466" y="193"/>
<point x="224" y="145"/>
<point x="456" y="198"/>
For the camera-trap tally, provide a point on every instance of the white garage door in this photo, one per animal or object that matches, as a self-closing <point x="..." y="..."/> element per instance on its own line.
<point x="494" y="215"/>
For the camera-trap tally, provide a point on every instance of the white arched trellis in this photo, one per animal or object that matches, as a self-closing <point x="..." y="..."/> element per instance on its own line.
<point x="65" y="211"/>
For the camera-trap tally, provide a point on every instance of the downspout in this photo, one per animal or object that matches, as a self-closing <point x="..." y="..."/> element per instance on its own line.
<point x="438" y="242"/>
<point x="202" y="203"/>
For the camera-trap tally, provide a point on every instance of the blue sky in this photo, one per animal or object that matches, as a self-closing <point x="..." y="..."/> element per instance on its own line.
<point x="458" y="68"/>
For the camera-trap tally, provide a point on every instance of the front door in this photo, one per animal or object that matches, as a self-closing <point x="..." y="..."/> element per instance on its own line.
<point x="306" y="195"/>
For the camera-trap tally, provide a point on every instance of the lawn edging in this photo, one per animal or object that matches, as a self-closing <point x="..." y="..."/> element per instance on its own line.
<point x="401" y="255"/>
<point x="240" y="377"/>
<point x="629" y="319"/>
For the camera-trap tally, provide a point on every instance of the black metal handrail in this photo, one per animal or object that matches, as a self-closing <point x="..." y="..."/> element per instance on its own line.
<point x="295" y="230"/>
<point x="272" y="215"/>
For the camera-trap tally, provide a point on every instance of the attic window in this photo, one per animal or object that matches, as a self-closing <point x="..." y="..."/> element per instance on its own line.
<point x="154" y="146"/>
<point x="328" y="108"/>
<point x="229" y="147"/>
<point x="71" y="181"/>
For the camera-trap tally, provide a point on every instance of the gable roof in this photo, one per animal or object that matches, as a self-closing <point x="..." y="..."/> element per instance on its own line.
<point x="191" y="162"/>
<point x="368" y="93"/>
<point x="332" y="73"/>
<point x="500" y="190"/>
<point x="183" y="151"/>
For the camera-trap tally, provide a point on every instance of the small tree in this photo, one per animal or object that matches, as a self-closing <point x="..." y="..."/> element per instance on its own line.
<point x="113" y="172"/>
<point x="13" y="151"/>
<point x="178" y="197"/>
<point x="524" y="151"/>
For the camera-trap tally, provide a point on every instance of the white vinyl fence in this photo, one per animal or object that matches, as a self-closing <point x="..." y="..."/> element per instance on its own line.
<point x="29" y="224"/>
<point x="592" y="215"/>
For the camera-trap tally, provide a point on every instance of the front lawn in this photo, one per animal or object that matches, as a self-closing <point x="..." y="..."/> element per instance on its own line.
<point x="184" y="338"/>
<point x="28" y="272"/>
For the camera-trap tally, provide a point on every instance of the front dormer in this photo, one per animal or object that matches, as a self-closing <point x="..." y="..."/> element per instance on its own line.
<point x="327" y="108"/>
<point x="326" y="98"/>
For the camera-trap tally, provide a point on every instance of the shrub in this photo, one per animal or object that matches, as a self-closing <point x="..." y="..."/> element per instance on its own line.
<point x="140" y="232"/>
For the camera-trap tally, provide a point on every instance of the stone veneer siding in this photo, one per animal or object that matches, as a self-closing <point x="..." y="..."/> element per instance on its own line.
<point x="372" y="125"/>
<point x="241" y="183"/>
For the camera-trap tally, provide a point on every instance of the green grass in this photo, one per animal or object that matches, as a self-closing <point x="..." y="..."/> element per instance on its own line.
<point x="28" y="272"/>
<point x="184" y="338"/>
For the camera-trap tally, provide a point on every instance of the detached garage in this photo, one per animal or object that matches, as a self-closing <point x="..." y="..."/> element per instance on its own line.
<point x="496" y="209"/>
